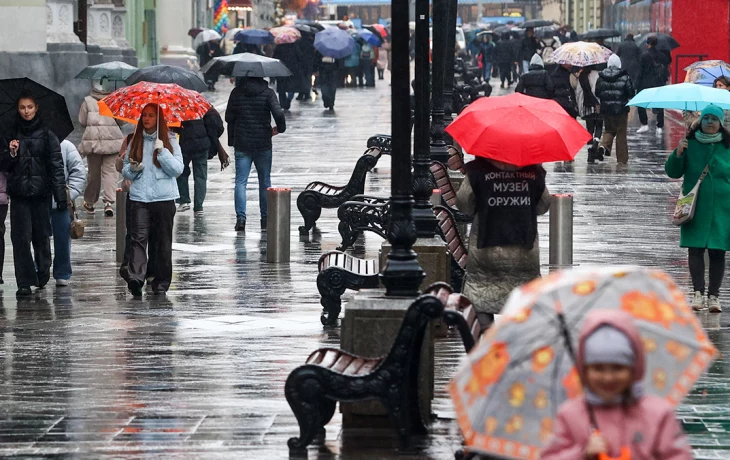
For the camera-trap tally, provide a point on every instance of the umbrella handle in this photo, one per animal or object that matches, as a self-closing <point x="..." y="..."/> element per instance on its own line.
<point x="624" y="455"/>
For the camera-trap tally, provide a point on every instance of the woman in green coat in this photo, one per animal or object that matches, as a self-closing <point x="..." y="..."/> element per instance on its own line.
<point x="707" y="145"/>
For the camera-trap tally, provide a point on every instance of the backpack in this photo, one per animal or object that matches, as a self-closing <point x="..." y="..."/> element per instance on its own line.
<point x="366" y="51"/>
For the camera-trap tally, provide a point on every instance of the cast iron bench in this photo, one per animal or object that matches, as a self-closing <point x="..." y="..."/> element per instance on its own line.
<point x="362" y="212"/>
<point x="450" y="233"/>
<point x="339" y="271"/>
<point x="460" y="313"/>
<point x="456" y="159"/>
<point x="332" y="375"/>
<point x="318" y="195"/>
<point x="448" y="193"/>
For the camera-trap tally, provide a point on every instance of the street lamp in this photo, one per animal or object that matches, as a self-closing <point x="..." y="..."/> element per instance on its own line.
<point x="449" y="66"/>
<point x="402" y="275"/>
<point x="438" y="146"/>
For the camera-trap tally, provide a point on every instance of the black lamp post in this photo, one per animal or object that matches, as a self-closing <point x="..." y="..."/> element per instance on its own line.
<point x="422" y="180"/>
<point x="449" y="65"/>
<point x="438" y="47"/>
<point x="402" y="275"/>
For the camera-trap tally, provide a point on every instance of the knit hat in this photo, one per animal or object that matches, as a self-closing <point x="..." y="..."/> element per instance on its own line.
<point x="537" y="60"/>
<point x="712" y="109"/>
<point x="614" y="61"/>
<point x="608" y="345"/>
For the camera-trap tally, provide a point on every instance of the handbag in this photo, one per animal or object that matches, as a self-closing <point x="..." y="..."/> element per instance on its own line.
<point x="686" y="206"/>
<point x="76" y="230"/>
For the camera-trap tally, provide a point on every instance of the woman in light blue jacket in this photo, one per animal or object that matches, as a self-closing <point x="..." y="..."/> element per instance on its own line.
<point x="153" y="163"/>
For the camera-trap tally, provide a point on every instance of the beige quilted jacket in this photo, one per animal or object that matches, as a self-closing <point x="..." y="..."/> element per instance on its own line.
<point x="102" y="135"/>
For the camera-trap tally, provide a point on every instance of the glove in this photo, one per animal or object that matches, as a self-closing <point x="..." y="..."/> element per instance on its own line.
<point x="135" y="166"/>
<point x="159" y="145"/>
<point x="61" y="206"/>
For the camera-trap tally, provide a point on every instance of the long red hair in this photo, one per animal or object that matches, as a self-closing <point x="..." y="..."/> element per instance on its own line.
<point x="137" y="150"/>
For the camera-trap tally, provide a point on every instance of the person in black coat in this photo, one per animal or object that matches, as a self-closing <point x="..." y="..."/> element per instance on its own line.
<point x="504" y="57"/>
<point x="653" y="72"/>
<point x="536" y="82"/>
<point x="206" y="52"/>
<point x="614" y="89"/>
<point x="197" y="139"/>
<point x="35" y="169"/>
<point x="289" y="55"/>
<point x="629" y="53"/>
<point x="529" y="46"/>
<point x="328" y="70"/>
<point x="486" y="51"/>
<point x="307" y="55"/>
<point x="250" y="109"/>
<point x="563" y="92"/>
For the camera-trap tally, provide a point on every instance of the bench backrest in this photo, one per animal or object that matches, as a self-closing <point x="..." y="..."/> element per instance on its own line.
<point x="460" y="312"/>
<point x="381" y="141"/>
<point x="451" y="235"/>
<point x="443" y="182"/>
<point x="456" y="159"/>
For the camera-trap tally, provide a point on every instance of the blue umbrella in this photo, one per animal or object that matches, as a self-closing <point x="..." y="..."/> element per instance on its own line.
<point x="682" y="96"/>
<point x="254" y="37"/>
<point x="369" y="37"/>
<point x="706" y="72"/>
<point x="334" y="42"/>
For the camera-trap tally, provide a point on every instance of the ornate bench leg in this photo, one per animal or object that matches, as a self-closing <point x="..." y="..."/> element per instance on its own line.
<point x="348" y="233"/>
<point x="310" y="208"/>
<point x="457" y="276"/>
<point x="331" y="286"/>
<point x="304" y="393"/>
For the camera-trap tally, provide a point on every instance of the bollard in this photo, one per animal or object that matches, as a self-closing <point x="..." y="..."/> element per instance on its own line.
<point x="278" y="225"/>
<point x="121" y="224"/>
<point x="436" y="197"/>
<point x="561" y="230"/>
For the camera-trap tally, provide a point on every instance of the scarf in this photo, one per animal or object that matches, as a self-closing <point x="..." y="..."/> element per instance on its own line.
<point x="703" y="138"/>
<point x="592" y="399"/>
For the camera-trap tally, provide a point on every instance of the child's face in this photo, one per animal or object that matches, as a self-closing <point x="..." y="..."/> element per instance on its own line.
<point x="608" y="380"/>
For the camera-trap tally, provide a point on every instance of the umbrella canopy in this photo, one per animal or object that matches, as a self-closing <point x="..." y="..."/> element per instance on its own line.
<point x="306" y="29"/>
<point x="335" y="43"/>
<point x="581" y="54"/>
<point x="114" y="71"/>
<point x="508" y="391"/>
<point x="285" y="35"/>
<point x="682" y="96"/>
<point x="52" y="109"/>
<point x="519" y="130"/>
<point x="369" y="37"/>
<point x="486" y="32"/>
<point x="502" y="29"/>
<point x="254" y="37"/>
<point x="706" y="72"/>
<point x="205" y="35"/>
<point x="596" y="34"/>
<point x="177" y="103"/>
<point x="180" y="76"/>
<point x="195" y="31"/>
<point x="316" y="25"/>
<point x="248" y="65"/>
<point x="536" y="23"/>
<point x="379" y="28"/>
<point x="664" y="42"/>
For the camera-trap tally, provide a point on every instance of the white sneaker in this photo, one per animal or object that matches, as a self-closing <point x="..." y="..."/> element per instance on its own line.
<point x="643" y="129"/>
<point x="659" y="132"/>
<point x="183" y="207"/>
<point x="698" y="301"/>
<point x="714" y="304"/>
<point x="60" y="282"/>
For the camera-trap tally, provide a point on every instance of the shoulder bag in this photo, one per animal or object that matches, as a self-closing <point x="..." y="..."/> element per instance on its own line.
<point x="684" y="211"/>
<point x="76" y="230"/>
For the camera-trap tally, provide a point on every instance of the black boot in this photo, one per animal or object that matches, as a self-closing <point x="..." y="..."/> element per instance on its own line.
<point x="263" y="223"/>
<point x="591" y="156"/>
<point x="135" y="287"/>
<point x="600" y="152"/>
<point x="23" y="291"/>
<point x="240" y="225"/>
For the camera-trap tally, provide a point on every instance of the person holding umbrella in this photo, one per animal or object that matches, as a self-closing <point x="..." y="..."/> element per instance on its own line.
<point x="653" y="72"/>
<point x="529" y="46"/>
<point x="504" y="57"/>
<point x="208" y="50"/>
<point x="36" y="174"/>
<point x="614" y="89"/>
<point x="286" y="87"/>
<point x="629" y="53"/>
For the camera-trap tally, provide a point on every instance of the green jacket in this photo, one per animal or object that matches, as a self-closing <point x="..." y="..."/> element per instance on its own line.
<point x="710" y="227"/>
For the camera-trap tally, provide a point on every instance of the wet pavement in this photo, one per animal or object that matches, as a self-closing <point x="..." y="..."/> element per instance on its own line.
<point x="88" y="372"/>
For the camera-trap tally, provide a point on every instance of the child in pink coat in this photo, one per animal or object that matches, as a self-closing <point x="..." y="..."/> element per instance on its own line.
<point x="630" y="425"/>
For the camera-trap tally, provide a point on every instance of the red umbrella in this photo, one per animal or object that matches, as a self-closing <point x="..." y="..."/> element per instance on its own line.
<point x="381" y="29"/>
<point x="519" y="130"/>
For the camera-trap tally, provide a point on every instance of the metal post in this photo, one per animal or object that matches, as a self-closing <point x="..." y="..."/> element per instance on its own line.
<point x="438" y="51"/>
<point x="278" y="225"/>
<point x="121" y="224"/>
<point x="436" y="197"/>
<point x="561" y="230"/>
<point x="449" y="67"/>
<point x="422" y="179"/>
<point x="402" y="275"/>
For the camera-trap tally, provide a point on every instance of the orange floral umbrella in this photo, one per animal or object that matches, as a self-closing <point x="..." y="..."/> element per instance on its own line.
<point x="508" y="391"/>
<point x="177" y="103"/>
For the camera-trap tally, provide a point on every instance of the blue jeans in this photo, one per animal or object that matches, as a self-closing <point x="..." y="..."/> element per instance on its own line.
<point x="61" y="222"/>
<point x="262" y="161"/>
<point x="487" y="71"/>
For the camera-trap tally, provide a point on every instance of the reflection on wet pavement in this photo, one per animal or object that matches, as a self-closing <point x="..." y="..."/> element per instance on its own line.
<point x="87" y="371"/>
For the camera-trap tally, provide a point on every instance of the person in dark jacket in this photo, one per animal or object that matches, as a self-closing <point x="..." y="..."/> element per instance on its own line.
<point x="206" y="52"/>
<point x="529" y="46"/>
<point x="197" y="139"/>
<point x="504" y="57"/>
<point x="247" y="48"/>
<point x="614" y="89"/>
<point x="653" y="72"/>
<point x="516" y="43"/>
<point x="487" y="52"/>
<point x="629" y="53"/>
<point x="250" y="108"/>
<point x="328" y="70"/>
<point x="536" y="82"/>
<point x="563" y="92"/>
<point x="286" y="87"/>
<point x="36" y="174"/>
<point x="307" y="56"/>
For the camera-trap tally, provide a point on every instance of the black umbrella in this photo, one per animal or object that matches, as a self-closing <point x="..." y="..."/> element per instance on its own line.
<point x="306" y="29"/>
<point x="375" y="32"/>
<point x="188" y="79"/>
<point x="501" y="30"/>
<point x="115" y="71"/>
<point x="52" y="108"/>
<point x="664" y="42"/>
<point x="596" y="34"/>
<point x="536" y="23"/>
<point x="247" y="65"/>
<point x="316" y="25"/>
